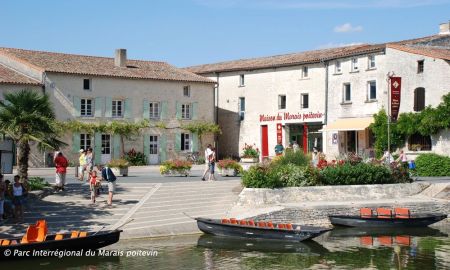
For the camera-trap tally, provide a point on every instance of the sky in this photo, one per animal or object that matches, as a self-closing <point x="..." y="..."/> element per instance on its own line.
<point x="193" y="32"/>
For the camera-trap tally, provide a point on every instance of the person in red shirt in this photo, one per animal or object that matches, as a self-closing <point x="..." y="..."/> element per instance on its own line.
<point x="61" y="164"/>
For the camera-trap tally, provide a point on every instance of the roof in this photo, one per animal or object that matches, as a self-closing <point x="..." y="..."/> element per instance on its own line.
<point x="306" y="57"/>
<point x="9" y="76"/>
<point x="100" y="66"/>
<point x="440" y="53"/>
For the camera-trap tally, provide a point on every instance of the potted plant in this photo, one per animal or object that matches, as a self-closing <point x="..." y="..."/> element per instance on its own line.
<point x="119" y="166"/>
<point x="175" y="167"/>
<point x="250" y="154"/>
<point x="416" y="147"/>
<point x="229" y="167"/>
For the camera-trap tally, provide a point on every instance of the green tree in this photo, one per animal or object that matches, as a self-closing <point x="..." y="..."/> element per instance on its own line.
<point x="27" y="116"/>
<point x="202" y="128"/>
<point x="380" y="132"/>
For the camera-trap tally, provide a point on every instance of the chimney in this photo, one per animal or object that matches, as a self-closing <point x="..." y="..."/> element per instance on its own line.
<point x="121" y="58"/>
<point x="444" y="28"/>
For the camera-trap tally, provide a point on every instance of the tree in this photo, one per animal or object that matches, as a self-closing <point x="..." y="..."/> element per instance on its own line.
<point x="27" y="116"/>
<point x="202" y="128"/>
<point x="379" y="129"/>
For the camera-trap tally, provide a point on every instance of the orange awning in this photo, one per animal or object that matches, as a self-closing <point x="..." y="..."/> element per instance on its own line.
<point x="349" y="124"/>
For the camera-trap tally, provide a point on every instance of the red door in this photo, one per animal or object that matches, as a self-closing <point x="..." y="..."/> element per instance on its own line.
<point x="264" y="142"/>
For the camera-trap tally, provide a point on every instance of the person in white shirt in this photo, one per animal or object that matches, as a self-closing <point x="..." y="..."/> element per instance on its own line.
<point x="208" y="153"/>
<point x="387" y="158"/>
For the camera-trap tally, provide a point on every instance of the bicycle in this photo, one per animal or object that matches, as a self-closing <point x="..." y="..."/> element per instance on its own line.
<point x="193" y="157"/>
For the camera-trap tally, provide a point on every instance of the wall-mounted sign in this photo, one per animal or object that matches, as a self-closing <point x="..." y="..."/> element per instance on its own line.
<point x="396" y="85"/>
<point x="289" y="116"/>
<point x="279" y="134"/>
<point x="334" y="138"/>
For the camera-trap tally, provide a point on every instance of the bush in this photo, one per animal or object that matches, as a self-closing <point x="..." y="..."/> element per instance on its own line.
<point x="118" y="163"/>
<point x="37" y="183"/>
<point x="229" y="164"/>
<point x="136" y="158"/>
<point x="291" y="175"/>
<point x="250" y="151"/>
<point x="259" y="176"/>
<point x="175" y="166"/>
<point x="432" y="165"/>
<point x="290" y="157"/>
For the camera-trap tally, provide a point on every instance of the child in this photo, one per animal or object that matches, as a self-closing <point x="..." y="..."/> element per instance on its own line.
<point x="93" y="183"/>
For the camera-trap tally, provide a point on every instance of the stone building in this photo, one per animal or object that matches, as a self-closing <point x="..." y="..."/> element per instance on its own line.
<point x="324" y="98"/>
<point x="99" y="90"/>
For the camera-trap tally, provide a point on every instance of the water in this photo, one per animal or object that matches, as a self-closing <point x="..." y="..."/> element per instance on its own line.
<point x="339" y="249"/>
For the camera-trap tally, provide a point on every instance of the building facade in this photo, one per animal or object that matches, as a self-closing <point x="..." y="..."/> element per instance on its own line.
<point x="102" y="90"/>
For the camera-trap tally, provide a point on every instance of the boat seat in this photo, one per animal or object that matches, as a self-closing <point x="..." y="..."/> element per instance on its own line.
<point x="384" y="213"/>
<point x="251" y="223"/>
<point x="59" y="236"/>
<point x="385" y="240"/>
<point x="243" y="222"/>
<point x="403" y="240"/>
<point x="281" y="226"/>
<point x="366" y="212"/>
<point x="32" y="235"/>
<point x="366" y="240"/>
<point x="289" y="226"/>
<point x="225" y="221"/>
<point x="5" y="242"/>
<point x="270" y="225"/>
<point x="83" y="234"/>
<point x="402" y="213"/>
<point x="261" y="224"/>
<point x="42" y="224"/>
<point x="74" y="234"/>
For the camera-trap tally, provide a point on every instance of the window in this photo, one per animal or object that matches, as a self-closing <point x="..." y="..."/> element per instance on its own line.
<point x="354" y="64"/>
<point x="185" y="141"/>
<point x="338" y="68"/>
<point x="185" y="111"/>
<point x="241" y="80"/>
<point x="371" y="90"/>
<point x="417" y="141"/>
<point x="305" y="72"/>
<point x="371" y="61"/>
<point x="154" y="110"/>
<point x="347" y="93"/>
<point x="85" y="141"/>
<point x="106" y="144"/>
<point x="153" y="145"/>
<point x="186" y="91"/>
<point x="87" y="84"/>
<point x="281" y="102"/>
<point x="420" y="66"/>
<point x="419" y="99"/>
<point x="117" y="108"/>
<point x="86" y="107"/>
<point x="241" y="108"/>
<point x="304" y="101"/>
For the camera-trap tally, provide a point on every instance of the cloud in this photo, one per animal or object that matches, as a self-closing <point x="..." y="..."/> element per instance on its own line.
<point x="337" y="45"/>
<point x="319" y="4"/>
<point x="347" y="28"/>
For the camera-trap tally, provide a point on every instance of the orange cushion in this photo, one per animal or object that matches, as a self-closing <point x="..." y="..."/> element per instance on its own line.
<point x="402" y="213"/>
<point x="384" y="213"/>
<point x="366" y="240"/>
<point x="366" y="212"/>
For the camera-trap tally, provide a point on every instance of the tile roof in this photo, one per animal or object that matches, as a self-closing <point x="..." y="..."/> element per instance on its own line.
<point x="9" y="76"/>
<point x="299" y="58"/>
<point x="100" y="66"/>
<point x="440" y="53"/>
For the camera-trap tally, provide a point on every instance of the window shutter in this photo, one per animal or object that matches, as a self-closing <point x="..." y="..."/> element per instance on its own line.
<point x="116" y="146"/>
<point x="108" y="107"/>
<point x="147" y="147"/>
<point x="128" y="112"/>
<point x="77" y="107"/>
<point x="195" y="111"/>
<point x="164" y="108"/>
<point x="421" y="99"/>
<point x="162" y="148"/>
<point x="178" y="142"/>
<point x="145" y="109"/>
<point x="97" y="148"/>
<point x="75" y="142"/>
<point x="194" y="142"/>
<point x="178" y="106"/>
<point x="98" y="106"/>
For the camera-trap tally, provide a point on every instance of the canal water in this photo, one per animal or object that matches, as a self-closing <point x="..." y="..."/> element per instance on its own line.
<point x="422" y="249"/>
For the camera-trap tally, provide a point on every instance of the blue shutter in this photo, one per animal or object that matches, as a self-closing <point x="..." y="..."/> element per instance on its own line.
<point x="162" y="148"/>
<point x="75" y="142"/>
<point x="194" y="111"/>
<point x="178" y="142"/>
<point x="76" y="106"/>
<point x="97" y="148"/>
<point x="98" y="106"/>
<point x="108" y="107"/>
<point x="128" y="111"/>
<point x="178" y="107"/>
<point x="145" y="109"/>
<point x="147" y="147"/>
<point x="116" y="146"/>
<point x="194" y="142"/>
<point x="164" y="108"/>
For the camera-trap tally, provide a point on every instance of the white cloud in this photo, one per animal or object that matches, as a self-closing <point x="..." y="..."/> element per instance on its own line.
<point x="337" y="45"/>
<point x="347" y="28"/>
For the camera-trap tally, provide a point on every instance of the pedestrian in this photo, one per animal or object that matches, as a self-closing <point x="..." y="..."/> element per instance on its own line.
<point x="212" y="165"/>
<point x="19" y="193"/>
<point x="89" y="161"/>
<point x="207" y="167"/>
<point x="82" y="167"/>
<point x="402" y="158"/>
<point x="295" y="146"/>
<point x="61" y="164"/>
<point x="2" y="197"/>
<point x="110" y="178"/>
<point x="387" y="158"/>
<point x="93" y="184"/>
<point x="315" y="157"/>
<point x="279" y="149"/>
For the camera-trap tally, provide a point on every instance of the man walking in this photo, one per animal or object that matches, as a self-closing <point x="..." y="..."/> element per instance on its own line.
<point x="110" y="178"/>
<point x="61" y="164"/>
<point x="208" y="153"/>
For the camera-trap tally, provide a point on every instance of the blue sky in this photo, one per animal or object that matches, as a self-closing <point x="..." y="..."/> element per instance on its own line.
<point x="190" y="32"/>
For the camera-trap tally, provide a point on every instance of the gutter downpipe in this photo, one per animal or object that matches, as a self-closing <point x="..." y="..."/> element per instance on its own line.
<point x="326" y="92"/>
<point x="216" y="104"/>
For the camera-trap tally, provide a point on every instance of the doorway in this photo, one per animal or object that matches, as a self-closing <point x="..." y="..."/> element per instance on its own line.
<point x="153" y="157"/>
<point x="351" y="141"/>
<point x="106" y="148"/>
<point x="264" y="142"/>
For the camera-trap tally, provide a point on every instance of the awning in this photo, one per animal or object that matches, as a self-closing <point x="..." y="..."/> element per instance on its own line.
<point x="349" y="124"/>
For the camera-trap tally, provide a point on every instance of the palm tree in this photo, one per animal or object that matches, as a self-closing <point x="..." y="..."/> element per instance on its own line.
<point x="27" y="116"/>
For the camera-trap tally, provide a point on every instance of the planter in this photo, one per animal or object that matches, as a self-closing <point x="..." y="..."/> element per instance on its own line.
<point x="120" y="171"/>
<point x="181" y="172"/>
<point x="249" y="160"/>
<point x="228" y="172"/>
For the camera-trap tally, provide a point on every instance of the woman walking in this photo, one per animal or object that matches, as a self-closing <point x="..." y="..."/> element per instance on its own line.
<point x="19" y="192"/>
<point x="82" y="167"/>
<point x="89" y="161"/>
<point x="212" y="164"/>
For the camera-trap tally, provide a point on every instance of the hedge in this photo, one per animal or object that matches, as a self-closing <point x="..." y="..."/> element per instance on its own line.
<point x="432" y="165"/>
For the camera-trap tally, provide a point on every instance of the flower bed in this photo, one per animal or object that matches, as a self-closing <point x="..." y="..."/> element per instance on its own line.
<point x="229" y="167"/>
<point x="119" y="166"/>
<point x="175" y="167"/>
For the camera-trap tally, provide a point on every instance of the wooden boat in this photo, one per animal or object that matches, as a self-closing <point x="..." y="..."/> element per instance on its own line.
<point x="348" y="232"/>
<point x="36" y="242"/>
<point x="258" y="230"/>
<point x="383" y="217"/>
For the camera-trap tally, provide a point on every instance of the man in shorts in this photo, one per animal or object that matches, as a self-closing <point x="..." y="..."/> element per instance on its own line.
<point x="110" y="178"/>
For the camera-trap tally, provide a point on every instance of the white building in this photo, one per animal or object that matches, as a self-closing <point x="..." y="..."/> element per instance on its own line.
<point x="99" y="90"/>
<point x="324" y="98"/>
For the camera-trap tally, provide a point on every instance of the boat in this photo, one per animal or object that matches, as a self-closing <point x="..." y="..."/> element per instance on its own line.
<point x="344" y="232"/>
<point x="261" y="245"/>
<point x="37" y="243"/>
<point x="384" y="217"/>
<point x="258" y="230"/>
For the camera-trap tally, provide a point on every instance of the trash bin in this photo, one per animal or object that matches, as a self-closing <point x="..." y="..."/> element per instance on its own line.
<point x="412" y="165"/>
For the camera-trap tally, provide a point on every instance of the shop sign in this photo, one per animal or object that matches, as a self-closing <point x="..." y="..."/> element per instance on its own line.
<point x="290" y="116"/>
<point x="396" y="85"/>
<point x="279" y="133"/>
